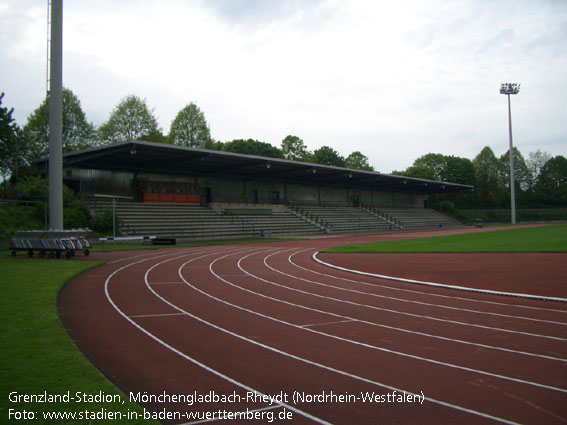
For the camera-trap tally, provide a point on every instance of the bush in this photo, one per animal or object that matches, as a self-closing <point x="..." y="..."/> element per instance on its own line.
<point x="522" y="215"/>
<point x="102" y="223"/>
<point x="75" y="212"/>
<point x="32" y="189"/>
<point x="446" y="207"/>
<point x="76" y="217"/>
<point x="14" y="217"/>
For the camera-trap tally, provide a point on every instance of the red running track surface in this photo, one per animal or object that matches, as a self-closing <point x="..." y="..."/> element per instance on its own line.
<point x="232" y="323"/>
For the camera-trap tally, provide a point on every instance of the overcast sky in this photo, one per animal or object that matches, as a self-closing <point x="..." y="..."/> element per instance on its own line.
<point x="392" y="79"/>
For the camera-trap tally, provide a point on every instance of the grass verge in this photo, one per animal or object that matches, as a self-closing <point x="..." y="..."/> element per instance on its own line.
<point x="109" y="246"/>
<point x="37" y="354"/>
<point x="529" y="239"/>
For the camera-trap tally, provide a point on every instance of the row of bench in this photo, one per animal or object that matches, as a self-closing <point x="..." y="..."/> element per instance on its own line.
<point x="191" y="221"/>
<point x="414" y="218"/>
<point x="342" y="219"/>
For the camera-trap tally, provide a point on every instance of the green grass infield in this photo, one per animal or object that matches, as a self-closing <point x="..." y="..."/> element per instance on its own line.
<point x="42" y="372"/>
<point x="529" y="239"/>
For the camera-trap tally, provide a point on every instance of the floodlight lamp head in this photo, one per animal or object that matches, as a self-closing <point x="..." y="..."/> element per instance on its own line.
<point x="509" y="88"/>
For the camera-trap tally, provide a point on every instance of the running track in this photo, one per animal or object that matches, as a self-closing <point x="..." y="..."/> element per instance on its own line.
<point x="230" y="320"/>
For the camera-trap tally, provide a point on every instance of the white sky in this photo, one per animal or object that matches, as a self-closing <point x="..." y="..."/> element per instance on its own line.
<point x="392" y="79"/>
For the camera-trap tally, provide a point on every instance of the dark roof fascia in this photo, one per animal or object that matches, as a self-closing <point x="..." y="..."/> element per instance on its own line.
<point x="320" y="173"/>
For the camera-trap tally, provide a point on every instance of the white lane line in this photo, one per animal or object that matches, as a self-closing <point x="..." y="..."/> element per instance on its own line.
<point x="355" y="291"/>
<point x="476" y="344"/>
<point x="180" y="353"/>
<point x="412" y="291"/>
<point x="441" y="285"/>
<point x="294" y="357"/>
<point x="120" y="260"/>
<point x="149" y="254"/>
<point x="155" y="315"/>
<point x="386" y="350"/>
<point x="404" y="313"/>
<point x="328" y="323"/>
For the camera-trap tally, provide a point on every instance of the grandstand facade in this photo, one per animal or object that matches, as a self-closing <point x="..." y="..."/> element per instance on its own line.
<point x="193" y="193"/>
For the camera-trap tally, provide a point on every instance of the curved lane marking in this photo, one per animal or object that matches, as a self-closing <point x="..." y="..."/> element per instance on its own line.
<point x="419" y="316"/>
<point x="440" y="285"/>
<point x="415" y="357"/>
<point x="187" y="357"/>
<point x="310" y="362"/>
<point x="348" y="318"/>
<point x="409" y="301"/>
<point x="182" y="354"/>
<point x="413" y="291"/>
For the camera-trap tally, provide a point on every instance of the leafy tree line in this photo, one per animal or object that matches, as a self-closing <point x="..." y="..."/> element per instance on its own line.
<point x="540" y="180"/>
<point x="133" y="119"/>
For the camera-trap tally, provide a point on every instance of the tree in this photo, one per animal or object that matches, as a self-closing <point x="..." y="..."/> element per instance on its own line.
<point x="535" y="162"/>
<point x="552" y="181"/>
<point x="487" y="170"/>
<point x="459" y="170"/>
<point x="214" y="145"/>
<point x="131" y="119"/>
<point x="452" y="169"/>
<point x="252" y="147"/>
<point x="358" y="161"/>
<point x="417" y="171"/>
<point x="326" y="155"/>
<point x="189" y="128"/>
<point x="155" y="136"/>
<point x="294" y="149"/>
<point x="522" y="175"/>
<point x="11" y="154"/>
<point x="436" y="164"/>
<point x="77" y="132"/>
<point x="486" y="167"/>
<point x="446" y="168"/>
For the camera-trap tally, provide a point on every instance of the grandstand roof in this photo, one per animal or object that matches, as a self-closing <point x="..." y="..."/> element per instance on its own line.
<point x="160" y="158"/>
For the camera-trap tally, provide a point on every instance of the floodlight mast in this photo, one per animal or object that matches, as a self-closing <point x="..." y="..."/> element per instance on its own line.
<point x="508" y="89"/>
<point x="55" y="169"/>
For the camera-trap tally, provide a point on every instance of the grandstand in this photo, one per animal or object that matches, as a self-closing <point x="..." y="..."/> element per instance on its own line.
<point x="339" y="218"/>
<point x="412" y="217"/>
<point x="218" y="221"/>
<point x="191" y="193"/>
<point x="191" y="222"/>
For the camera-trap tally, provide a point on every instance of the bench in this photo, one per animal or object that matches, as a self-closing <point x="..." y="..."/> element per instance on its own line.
<point x="163" y="241"/>
<point x="143" y="239"/>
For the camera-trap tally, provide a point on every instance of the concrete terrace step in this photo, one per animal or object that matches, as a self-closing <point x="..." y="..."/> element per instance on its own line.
<point x="188" y="221"/>
<point x="342" y="219"/>
<point x="413" y="217"/>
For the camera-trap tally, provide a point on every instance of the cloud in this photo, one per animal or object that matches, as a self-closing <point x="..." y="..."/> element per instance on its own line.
<point x="354" y="75"/>
<point x="254" y="14"/>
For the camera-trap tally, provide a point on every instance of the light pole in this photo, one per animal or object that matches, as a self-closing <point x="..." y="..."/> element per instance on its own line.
<point x="508" y="89"/>
<point x="55" y="169"/>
